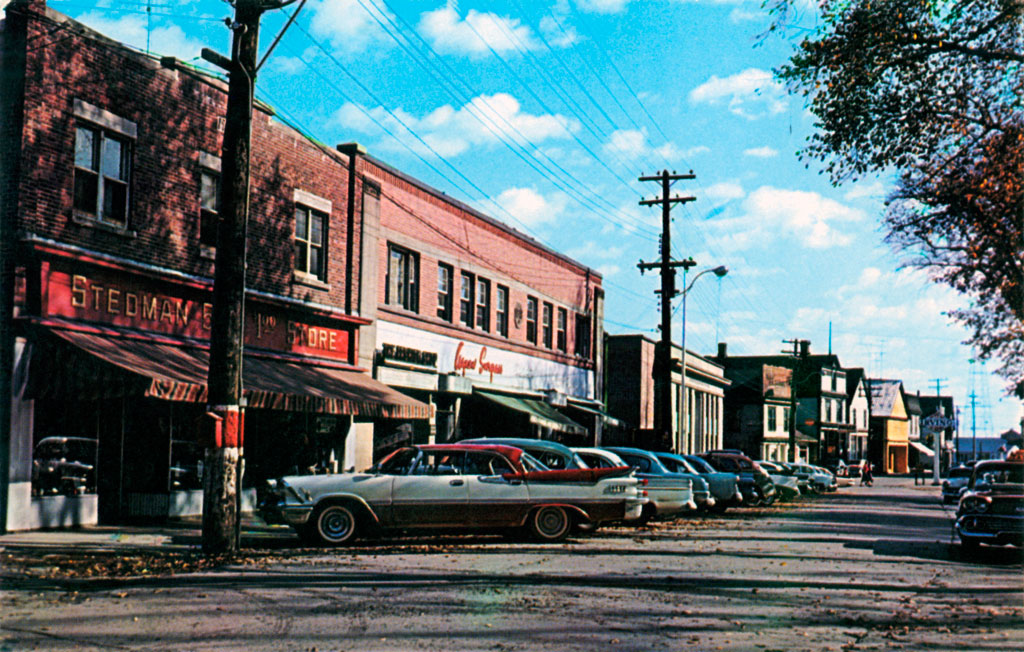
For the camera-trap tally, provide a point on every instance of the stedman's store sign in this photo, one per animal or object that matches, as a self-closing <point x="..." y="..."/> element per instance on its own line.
<point x="187" y="312"/>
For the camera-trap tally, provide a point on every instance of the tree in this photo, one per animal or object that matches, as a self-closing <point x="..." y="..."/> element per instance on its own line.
<point x="932" y="91"/>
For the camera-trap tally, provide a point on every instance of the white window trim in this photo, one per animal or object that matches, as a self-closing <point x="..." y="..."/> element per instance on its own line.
<point x="312" y="201"/>
<point x="105" y="119"/>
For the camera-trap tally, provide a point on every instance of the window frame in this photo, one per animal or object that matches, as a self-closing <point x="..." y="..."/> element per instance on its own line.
<point x="582" y="336"/>
<point x="209" y="217"/>
<point x="482" y="305"/>
<point x="562" y="329"/>
<point x="98" y="176"/>
<point x="532" y="322"/>
<point x="445" y="308"/>
<point x="309" y="212"/>
<point x="501" y="297"/>
<point x="467" y="301"/>
<point x="402" y="280"/>
<point x="547" y="324"/>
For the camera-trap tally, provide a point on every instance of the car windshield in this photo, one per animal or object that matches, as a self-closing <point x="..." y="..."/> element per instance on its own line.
<point x="997" y="474"/>
<point x="701" y="465"/>
<point x="963" y="472"/>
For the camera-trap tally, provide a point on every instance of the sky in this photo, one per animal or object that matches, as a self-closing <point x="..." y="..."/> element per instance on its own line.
<point x="544" y="113"/>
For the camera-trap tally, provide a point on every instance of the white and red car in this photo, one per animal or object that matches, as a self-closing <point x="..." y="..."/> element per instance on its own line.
<point x="453" y="486"/>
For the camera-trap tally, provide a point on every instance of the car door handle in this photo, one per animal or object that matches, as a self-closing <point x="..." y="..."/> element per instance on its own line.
<point x="456" y="483"/>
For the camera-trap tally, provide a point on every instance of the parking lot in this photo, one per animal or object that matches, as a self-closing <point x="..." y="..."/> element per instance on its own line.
<point x="859" y="569"/>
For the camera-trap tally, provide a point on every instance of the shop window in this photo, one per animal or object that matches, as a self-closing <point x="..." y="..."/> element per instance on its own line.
<point x="483" y="304"/>
<point x="583" y="336"/>
<point x="501" y="311"/>
<point x="531" y="319"/>
<point x="310" y="236"/>
<point x="547" y="325"/>
<point x="402" y="285"/>
<point x="64" y="465"/>
<point x="560" y="326"/>
<point x="445" y="279"/>
<point x="102" y="171"/>
<point x="466" y="302"/>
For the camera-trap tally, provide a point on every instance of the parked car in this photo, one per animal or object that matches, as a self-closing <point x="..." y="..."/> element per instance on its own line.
<point x="956" y="480"/>
<point x="724" y="486"/>
<point x="551" y="453"/>
<point x="451" y="486"/>
<point x="831" y="483"/>
<point x="785" y="482"/>
<point x="670" y="495"/>
<point x="64" y="465"/>
<point x="991" y="510"/>
<point x="702" y="493"/>
<point x="755" y="484"/>
<point x="815" y="480"/>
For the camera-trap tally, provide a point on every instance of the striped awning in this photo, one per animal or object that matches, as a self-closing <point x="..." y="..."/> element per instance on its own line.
<point x="95" y="365"/>
<point x="540" y="413"/>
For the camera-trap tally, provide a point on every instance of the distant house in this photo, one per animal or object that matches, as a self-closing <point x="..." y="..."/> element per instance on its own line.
<point x="857" y="410"/>
<point x="888" y="439"/>
<point x="758" y="410"/>
<point x="918" y="454"/>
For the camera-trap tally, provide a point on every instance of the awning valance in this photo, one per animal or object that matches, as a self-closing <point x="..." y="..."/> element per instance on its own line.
<point x="921" y="448"/>
<point x="176" y="371"/>
<point x="539" y="412"/>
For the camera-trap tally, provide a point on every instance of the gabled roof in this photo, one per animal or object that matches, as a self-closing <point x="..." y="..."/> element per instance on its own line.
<point x="931" y="404"/>
<point x="913" y="404"/>
<point x="854" y="376"/>
<point x="883" y="395"/>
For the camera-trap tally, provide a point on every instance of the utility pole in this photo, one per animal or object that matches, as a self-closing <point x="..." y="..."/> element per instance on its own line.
<point x="792" y="396"/>
<point x="663" y="354"/>
<point x="225" y="403"/>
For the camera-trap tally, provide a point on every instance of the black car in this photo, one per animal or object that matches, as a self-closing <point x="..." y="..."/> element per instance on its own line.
<point x="992" y="507"/>
<point x="64" y="465"/>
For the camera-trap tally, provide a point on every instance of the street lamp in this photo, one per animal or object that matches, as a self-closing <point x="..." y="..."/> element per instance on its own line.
<point x="719" y="271"/>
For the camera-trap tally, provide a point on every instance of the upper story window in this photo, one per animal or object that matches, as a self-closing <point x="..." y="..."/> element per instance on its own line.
<point x="561" y="338"/>
<point x="310" y="231"/>
<point x="103" y="164"/>
<point x="546" y="324"/>
<point x="531" y="319"/>
<point x="828" y="410"/>
<point x="445" y="290"/>
<point x="402" y="285"/>
<point x="483" y="304"/>
<point x="209" y="199"/>
<point x="583" y="336"/>
<point x="501" y="310"/>
<point x="773" y="424"/>
<point x="466" y="302"/>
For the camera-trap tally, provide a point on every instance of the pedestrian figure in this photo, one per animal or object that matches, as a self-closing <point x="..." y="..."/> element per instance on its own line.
<point x="865" y="475"/>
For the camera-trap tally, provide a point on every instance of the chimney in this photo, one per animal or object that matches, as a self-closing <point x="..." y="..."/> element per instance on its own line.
<point x="805" y="348"/>
<point x="722" y="351"/>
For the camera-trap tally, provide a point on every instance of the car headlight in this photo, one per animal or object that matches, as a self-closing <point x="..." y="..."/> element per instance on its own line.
<point x="975" y="504"/>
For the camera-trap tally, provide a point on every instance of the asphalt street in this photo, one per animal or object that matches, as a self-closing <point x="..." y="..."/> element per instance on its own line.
<point x="861" y="569"/>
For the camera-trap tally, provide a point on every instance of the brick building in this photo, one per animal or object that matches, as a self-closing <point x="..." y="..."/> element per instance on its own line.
<point x="110" y="167"/>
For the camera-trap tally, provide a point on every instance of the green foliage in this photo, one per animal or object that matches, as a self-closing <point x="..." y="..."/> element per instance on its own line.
<point x="934" y="91"/>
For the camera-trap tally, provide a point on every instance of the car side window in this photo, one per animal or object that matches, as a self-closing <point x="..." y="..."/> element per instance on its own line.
<point x="486" y="464"/>
<point x="440" y="464"/>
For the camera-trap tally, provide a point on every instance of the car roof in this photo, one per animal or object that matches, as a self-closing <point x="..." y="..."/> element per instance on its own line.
<point x="47" y="440"/>
<point x="508" y="451"/>
<point x="630" y="451"/>
<point x="520" y="442"/>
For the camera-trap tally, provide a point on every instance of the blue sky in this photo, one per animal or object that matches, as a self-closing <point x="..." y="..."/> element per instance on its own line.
<point x="543" y="113"/>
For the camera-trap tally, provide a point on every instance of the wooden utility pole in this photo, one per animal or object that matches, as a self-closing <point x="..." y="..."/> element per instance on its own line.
<point x="663" y="352"/>
<point x="792" y="396"/>
<point x="225" y="404"/>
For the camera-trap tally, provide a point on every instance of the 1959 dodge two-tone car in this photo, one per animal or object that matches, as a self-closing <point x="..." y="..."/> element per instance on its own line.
<point x="991" y="509"/>
<point x="452" y="486"/>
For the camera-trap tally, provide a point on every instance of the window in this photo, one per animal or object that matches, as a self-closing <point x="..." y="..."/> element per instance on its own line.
<point x="583" y="336"/>
<point x="483" y="304"/>
<point x="102" y="168"/>
<point x="501" y="311"/>
<point x="209" y="206"/>
<point x="403" y="278"/>
<point x="787" y="418"/>
<point x="531" y="319"/>
<point x="310" y="230"/>
<point x="560" y="326"/>
<point x="546" y="324"/>
<point x="772" y="419"/>
<point x="466" y="300"/>
<point x="445" y="276"/>
<point x="828" y="410"/>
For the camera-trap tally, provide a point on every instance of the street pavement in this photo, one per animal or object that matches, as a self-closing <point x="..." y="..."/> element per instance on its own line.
<point x="866" y="568"/>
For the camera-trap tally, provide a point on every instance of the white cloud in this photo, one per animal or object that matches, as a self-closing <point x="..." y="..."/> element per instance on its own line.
<point x="591" y="250"/>
<point x="452" y="131"/>
<point x="348" y="25"/>
<point x="724" y="191"/>
<point x="531" y="207"/>
<point x="475" y="35"/>
<point x="875" y="190"/>
<point x="558" y="33"/>
<point x="768" y="213"/>
<point x="751" y="94"/>
<point x="761" y="152"/>
<point x="632" y="144"/>
<point x="166" y="39"/>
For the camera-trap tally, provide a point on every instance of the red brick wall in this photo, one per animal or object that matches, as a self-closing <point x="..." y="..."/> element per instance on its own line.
<point x="442" y="231"/>
<point x="177" y="115"/>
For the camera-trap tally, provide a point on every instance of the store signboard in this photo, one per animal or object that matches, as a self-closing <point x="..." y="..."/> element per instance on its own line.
<point x="121" y="299"/>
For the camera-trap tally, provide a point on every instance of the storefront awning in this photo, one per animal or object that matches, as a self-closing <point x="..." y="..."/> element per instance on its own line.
<point x="921" y="448"/>
<point x="539" y="412"/>
<point x="176" y="371"/>
<point x="608" y="419"/>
